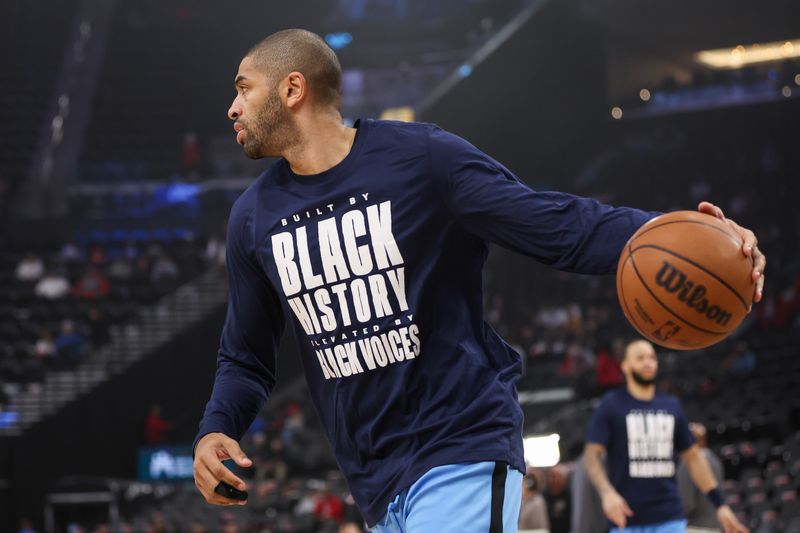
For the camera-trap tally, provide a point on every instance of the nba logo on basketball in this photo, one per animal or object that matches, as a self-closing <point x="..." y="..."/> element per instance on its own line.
<point x="667" y="330"/>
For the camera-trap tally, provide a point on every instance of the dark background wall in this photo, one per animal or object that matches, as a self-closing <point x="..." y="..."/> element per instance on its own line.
<point x="537" y="104"/>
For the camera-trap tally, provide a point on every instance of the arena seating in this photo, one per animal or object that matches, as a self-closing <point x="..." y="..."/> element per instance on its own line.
<point x="134" y="268"/>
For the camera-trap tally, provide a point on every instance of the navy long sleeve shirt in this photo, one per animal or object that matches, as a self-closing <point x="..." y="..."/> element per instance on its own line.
<point x="376" y="264"/>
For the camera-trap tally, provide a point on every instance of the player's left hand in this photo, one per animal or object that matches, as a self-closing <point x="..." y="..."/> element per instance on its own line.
<point x="729" y="522"/>
<point x="749" y="246"/>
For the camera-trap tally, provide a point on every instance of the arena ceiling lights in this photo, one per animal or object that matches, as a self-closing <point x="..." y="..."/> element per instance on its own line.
<point x="740" y="56"/>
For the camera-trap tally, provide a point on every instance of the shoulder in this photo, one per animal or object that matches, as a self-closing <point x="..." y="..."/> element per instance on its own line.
<point x="240" y="219"/>
<point x="608" y="404"/>
<point x="245" y="204"/>
<point x="408" y="137"/>
<point x="242" y="211"/>
<point x="612" y="397"/>
<point x="426" y="134"/>
<point x="669" y="401"/>
<point x="398" y="128"/>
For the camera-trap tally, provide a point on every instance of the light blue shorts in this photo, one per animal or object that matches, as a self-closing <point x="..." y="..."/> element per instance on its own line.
<point x="673" y="526"/>
<point x="464" y="498"/>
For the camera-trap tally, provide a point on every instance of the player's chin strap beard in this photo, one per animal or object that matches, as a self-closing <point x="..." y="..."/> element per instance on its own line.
<point x="642" y="380"/>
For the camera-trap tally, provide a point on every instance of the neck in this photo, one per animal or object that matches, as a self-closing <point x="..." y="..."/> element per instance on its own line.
<point x="641" y="392"/>
<point x="325" y="143"/>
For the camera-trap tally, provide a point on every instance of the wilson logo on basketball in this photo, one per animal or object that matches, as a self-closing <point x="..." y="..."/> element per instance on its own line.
<point x="673" y="280"/>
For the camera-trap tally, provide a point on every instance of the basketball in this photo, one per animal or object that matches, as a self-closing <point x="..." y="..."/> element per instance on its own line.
<point x="683" y="281"/>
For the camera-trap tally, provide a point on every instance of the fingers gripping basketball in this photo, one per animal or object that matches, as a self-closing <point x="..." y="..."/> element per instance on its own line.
<point x="683" y="282"/>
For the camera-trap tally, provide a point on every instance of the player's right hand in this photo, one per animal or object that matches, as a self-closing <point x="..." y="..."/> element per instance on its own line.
<point x="211" y="450"/>
<point x="616" y="508"/>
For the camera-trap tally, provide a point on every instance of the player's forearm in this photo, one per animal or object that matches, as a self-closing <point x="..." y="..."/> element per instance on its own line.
<point x="596" y="471"/>
<point x="700" y="472"/>
<point x="239" y="394"/>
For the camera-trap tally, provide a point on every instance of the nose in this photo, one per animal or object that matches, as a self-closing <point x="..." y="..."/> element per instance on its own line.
<point x="235" y="111"/>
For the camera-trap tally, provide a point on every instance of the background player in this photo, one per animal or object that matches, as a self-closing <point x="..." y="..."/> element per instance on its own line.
<point x="639" y="432"/>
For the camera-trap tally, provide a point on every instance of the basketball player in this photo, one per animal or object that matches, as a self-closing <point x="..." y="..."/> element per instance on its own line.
<point x="370" y="241"/>
<point x="640" y="432"/>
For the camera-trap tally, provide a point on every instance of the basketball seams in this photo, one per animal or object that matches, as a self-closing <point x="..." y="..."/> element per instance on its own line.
<point x="691" y="262"/>
<point x="621" y="285"/>
<point x="724" y="231"/>
<point x="662" y="304"/>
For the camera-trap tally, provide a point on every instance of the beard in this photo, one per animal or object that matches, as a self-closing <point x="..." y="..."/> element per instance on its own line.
<point x="272" y="131"/>
<point x="641" y="380"/>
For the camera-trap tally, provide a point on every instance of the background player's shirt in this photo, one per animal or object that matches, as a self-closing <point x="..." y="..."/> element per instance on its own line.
<point x="376" y="264"/>
<point x="643" y="440"/>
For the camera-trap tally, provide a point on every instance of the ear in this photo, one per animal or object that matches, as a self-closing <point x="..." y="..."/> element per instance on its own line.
<point x="295" y="89"/>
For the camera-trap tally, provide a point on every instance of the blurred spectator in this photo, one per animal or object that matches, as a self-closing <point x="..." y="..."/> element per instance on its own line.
<point x="156" y="428"/>
<point x="31" y="268"/>
<point x="69" y="343"/>
<point x="575" y="362"/>
<point x="164" y="272"/>
<point x="263" y="496"/>
<point x="533" y="512"/>
<point x="302" y="445"/>
<point x="699" y="511"/>
<point x="743" y="361"/>
<point x="328" y="507"/>
<point x="553" y="317"/>
<point x="141" y="271"/>
<point x="44" y="348"/>
<point x="97" y="256"/>
<point x="120" y="269"/>
<point x="94" y="284"/>
<point x="306" y="504"/>
<point x="52" y="287"/>
<point x="272" y="466"/>
<point x="559" y="504"/>
<point x="574" y="318"/>
<point x="350" y="527"/>
<point x="98" y="329"/>
<point x="607" y="371"/>
<point x="70" y="253"/>
<point x="353" y="521"/>
<point x="130" y="251"/>
<point x="158" y="524"/>
<point x="190" y="152"/>
<point x="215" y="250"/>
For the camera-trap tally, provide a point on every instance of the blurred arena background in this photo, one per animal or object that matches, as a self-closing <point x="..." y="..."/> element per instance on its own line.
<point x="118" y="168"/>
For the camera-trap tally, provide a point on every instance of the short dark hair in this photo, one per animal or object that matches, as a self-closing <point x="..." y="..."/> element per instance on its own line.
<point x="631" y="340"/>
<point x="305" y="52"/>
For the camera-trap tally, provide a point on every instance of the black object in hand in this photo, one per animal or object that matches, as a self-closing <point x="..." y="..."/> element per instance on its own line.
<point x="227" y="491"/>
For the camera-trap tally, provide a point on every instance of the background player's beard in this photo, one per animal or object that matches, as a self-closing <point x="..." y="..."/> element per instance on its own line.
<point x="272" y="131"/>
<point x="641" y="380"/>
